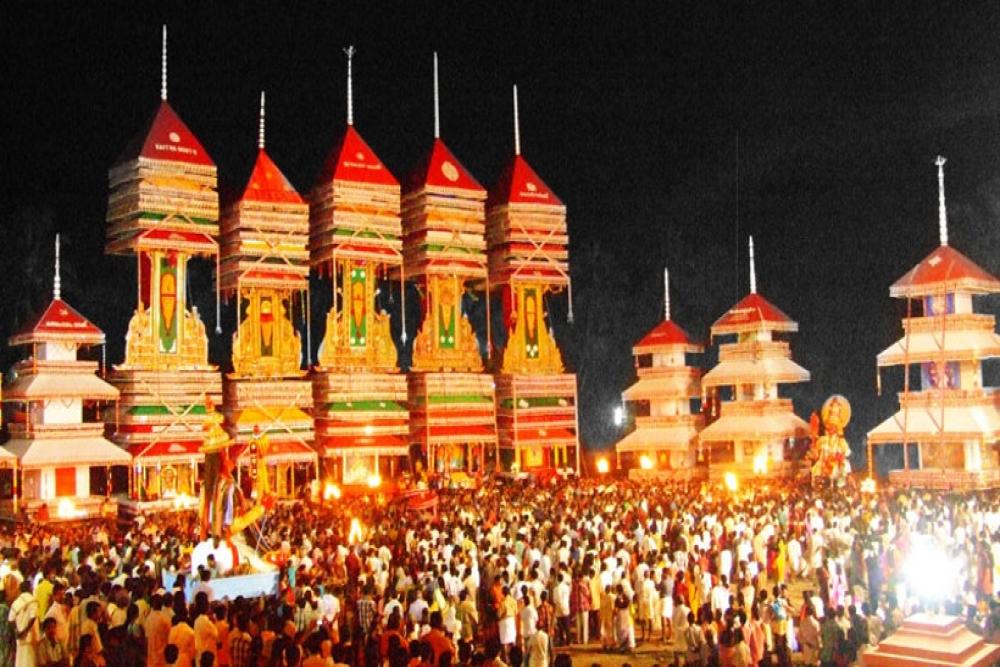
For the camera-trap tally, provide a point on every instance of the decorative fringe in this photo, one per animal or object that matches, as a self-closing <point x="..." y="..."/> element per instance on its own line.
<point x="218" y="293"/>
<point x="308" y="306"/>
<point x="402" y="304"/>
<point x="569" y="311"/>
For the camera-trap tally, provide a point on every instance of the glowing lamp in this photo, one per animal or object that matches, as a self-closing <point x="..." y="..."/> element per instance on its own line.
<point x="645" y="462"/>
<point x="760" y="464"/>
<point x="619" y="415"/>
<point x="928" y="571"/>
<point x="369" y="430"/>
<point x="731" y="481"/>
<point x="356" y="533"/>
<point x="374" y="481"/>
<point x="868" y="485"/>
<point x="67" y="510"/>
<point x="331" y="491"/>
<point x="603" y="466"/>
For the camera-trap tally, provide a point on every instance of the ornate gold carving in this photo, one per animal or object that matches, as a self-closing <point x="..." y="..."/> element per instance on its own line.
<point x="142" y="351"/>
<point x="370" y="347"/>
<point x="530" y="348"/>
<point x="266" y="343"/>
<point x="446" y="343"/>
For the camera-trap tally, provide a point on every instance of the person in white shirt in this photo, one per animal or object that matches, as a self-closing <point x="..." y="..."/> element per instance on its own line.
<point x="560" y="600"/>
<point x="720" y="595"/>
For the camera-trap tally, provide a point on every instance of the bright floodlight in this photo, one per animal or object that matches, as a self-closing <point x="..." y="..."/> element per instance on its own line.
<point x="356" y="533"/>
<point x="603" y="466"/>
<point x="67" y="510"/>
<point x="929" y="573"/>
<point x="645" y="462"/>
<point x="619" y="417"/>
<point x="730" y="480"/>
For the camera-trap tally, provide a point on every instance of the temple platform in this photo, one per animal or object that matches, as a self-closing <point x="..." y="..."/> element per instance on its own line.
<point x="926" y="639"/>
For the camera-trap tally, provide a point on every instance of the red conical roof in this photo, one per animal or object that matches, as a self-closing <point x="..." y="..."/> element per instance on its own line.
<point x="59" y="322"/>
<point x="945" y="270"/>
<point x="666" y="334"/>
<point x="753" y="312"/>
<point x="441" y="169"/>
<point x="351" y="159"/>
<point x="267" y="183"/>
<point x="166" y="137"/>
<point x="520" y="184"/>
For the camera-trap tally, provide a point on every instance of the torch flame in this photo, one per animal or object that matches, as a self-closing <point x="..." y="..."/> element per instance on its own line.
<point x="645" y="462"/>
<point x="731" y="481"/>
<point x="355" y="534"/>
<point x="602" y="466"/>
<point x="331" y="491"/>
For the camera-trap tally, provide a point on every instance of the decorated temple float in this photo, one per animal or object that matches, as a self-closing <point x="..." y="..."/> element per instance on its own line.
<point x="265" y="269"/>
<point x="452" y="424"/>
<point x="528" y="262"/>
<point x="355" y="240"/>
<point x="949" y="423"/>
<point x="753" y="430"/>
<point x="664" y="442"/>
<point x="66" y="466"/>
<point x="163" y="210"/>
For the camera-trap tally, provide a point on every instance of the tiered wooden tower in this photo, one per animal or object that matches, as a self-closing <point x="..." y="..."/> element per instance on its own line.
<point x="952" y="420"/>
<point x="359" y="395"/>
<point x="528" y="262"/>
<point x="163" y="209"/>
<point x="265" y="266"/>
<point x="752" y="429"/>
<point x="55" y="446"/>
<point x="664" y="442"/>
<point x="452" y="412"/>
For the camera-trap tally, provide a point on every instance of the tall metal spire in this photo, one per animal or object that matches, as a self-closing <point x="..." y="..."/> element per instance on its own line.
<point x="517" y="125"/>
<point x="753" y="270"/>
<point x="666" y="294"/>
<point x="163" y="66"/>
<point x="942" y="210"/>
<point x="57" y="279"/>
<point x="349" y="51"/>
<point x="260" y="130"/>
<point x="437" y="101"/>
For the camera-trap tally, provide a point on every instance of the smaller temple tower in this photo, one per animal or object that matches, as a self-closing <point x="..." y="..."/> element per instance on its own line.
<point x="56" y="448"/>
<point x="265" y="266"/>
<point x="664" y="441"/>
<point x="753" y="426"/>
<point x="953" y="420"/>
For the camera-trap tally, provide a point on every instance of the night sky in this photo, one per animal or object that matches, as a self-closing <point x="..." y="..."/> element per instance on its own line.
<point x="671" y="131"/>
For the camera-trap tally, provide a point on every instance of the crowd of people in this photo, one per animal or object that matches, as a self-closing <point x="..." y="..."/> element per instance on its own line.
<point x="512" y="573"/>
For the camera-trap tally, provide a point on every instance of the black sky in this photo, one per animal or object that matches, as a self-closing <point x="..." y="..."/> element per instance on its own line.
<point x="630" y="112"/>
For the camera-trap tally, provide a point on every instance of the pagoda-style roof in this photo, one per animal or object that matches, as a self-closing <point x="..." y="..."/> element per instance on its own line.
<point x="59" y="322"/>
<point x="352" y="159"/>
<point x="953" y="422"/>
<point x="268" y="185"/>
<point x="59" y="380"/>
<point x="520" y="184"/>
<point x="753" y="313"/>
<point x="166" y="137"/>
<point x="666" y="335"/>
<point x="441" y="169"/>
<point x="659" y="438"/>
<point x="755" y="427"/>
<point x="945" y="270"/>
<point x="948" y="345"/>
<point x="74" y="450"/>
<point x="742" y="371"/>
<point x="670" y="383"/>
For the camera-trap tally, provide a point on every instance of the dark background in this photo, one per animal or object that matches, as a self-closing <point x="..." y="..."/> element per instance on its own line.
<point x="670" y="130"/>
